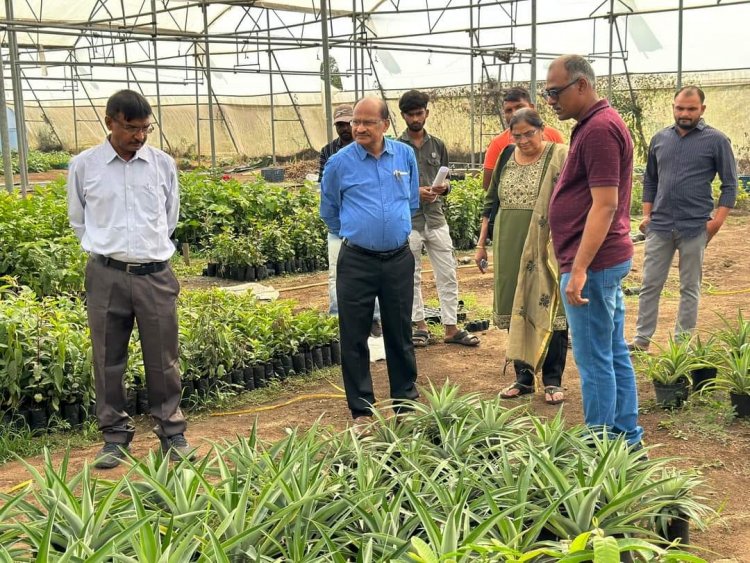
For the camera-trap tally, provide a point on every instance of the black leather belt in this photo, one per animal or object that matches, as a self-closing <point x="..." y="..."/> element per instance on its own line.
<point x="385" y="255"/>
<point x="135" y="268"/>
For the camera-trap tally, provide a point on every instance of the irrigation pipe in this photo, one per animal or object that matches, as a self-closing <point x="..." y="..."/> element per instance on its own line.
<point x="320" y="284"/>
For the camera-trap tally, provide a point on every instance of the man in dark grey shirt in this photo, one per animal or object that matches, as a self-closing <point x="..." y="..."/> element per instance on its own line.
<point x="678" y="201"/>
<point x="429" y="227"/>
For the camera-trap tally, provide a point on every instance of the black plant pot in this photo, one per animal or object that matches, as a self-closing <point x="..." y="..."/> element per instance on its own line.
<point x="238" y="377"/>
<point x="298" y="363"/>
<point x="741" y="404"/>
<point x="211" y="269"/>
<point x="259" y="375"/>
<point x="268" y="370"/>
<point x="142" y="401"/>
<point x="317" y="356"/>
<point x="202" y="386"/>
<point x="249" y="378"/>
<point x="249" y="273"/>
<point x="279" y="268"/>
<point x="485" y="324"/>
<point x="701" y="377"/>
<point x="222" y="271"/>
<point x="678" y="527"/>
<point x="309" y="366"/>
<point x="672" y="396"/>
<point x="270" y="269"/>
<point x="289" y="266"/>
<point x="286" y="364"/>
<point x="71" y="413"/>
<point x="326" y="351"/>
<point x="278" y="368"/>
<point x="131" y="401"/>
<point x="261" y="272"/>
<point x="335" y="352"/>
<point x="38" y="418"/>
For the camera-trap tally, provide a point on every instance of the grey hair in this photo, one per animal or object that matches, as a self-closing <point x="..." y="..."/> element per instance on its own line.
<point x="527" y="115"/>
<point x="578" y="67"/>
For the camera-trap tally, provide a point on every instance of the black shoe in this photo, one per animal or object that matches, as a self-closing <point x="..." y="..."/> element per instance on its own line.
<point x="639" y="449"/>
<point x="178" y="448"/>
<point x="111" y="455"/>
<point x="634" y="347"/>
<point x="376" y="330"/>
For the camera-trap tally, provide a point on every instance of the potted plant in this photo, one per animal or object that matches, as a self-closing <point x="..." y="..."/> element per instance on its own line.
<point x="734" y="377"/>
<point x="704" y="352"/>
<point x="671" y="371"/>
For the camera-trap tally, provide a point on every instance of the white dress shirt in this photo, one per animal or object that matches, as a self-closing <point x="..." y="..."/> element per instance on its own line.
<point x="125" y="210"/>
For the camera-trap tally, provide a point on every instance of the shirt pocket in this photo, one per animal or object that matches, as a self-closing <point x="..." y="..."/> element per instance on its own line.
<point x="147" y="201"/>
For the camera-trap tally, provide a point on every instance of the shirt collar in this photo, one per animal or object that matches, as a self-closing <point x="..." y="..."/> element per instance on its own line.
<point x="110" y="153"/>
<point x="700" y="127"/>
<point x="362" y="153"/>
<point x="597" y="107"/>
<point x="405" y="136"/>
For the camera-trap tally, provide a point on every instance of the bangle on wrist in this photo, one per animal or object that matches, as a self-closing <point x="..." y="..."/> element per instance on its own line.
<point x="482" y="247"/>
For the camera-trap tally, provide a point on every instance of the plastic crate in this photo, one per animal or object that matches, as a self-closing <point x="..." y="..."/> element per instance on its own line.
<point x="272" y="174"/>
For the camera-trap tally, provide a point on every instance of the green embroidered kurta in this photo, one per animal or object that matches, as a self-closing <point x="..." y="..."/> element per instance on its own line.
<point x="526" y="276"/>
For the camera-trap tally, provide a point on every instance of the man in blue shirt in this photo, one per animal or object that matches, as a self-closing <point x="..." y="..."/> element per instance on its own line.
<point x="678" y="204"/>
<point x="369" y="191"/>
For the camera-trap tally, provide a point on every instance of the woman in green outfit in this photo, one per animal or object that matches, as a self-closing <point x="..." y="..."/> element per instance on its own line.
<point x="527" y="298"/>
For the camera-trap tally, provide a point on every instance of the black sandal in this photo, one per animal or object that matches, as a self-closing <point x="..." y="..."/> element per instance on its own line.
<point x="522" y="390"/>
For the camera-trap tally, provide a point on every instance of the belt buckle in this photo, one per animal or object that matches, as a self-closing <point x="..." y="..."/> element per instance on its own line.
<point x="127" y="268"/>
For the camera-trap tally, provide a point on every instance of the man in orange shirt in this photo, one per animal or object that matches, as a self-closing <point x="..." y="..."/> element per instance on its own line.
<point x="513" y="100"/>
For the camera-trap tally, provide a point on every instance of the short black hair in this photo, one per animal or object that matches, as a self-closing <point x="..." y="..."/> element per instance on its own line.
<point x="517" y="95"/>
<point x="413" y="99"/>
<point x="692" y="90"/>
<point x="130" y="104"/>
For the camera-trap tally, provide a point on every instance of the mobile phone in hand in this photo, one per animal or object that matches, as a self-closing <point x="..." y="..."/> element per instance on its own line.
<point x="483" y="264"/>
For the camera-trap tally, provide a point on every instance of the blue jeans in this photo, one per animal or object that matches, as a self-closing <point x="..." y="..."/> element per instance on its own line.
<point x="610" y="397"/>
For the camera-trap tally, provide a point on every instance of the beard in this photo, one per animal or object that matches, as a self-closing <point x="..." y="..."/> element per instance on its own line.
<point x="686" y="124"/>
<point x="416" y="127"/>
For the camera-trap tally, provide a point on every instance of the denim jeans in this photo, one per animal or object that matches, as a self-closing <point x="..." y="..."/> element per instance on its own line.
<point x="610" y="397"/>
<point x="334" y="247"/>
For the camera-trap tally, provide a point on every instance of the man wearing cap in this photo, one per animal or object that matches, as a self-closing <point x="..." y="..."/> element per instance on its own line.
<point x="342" y="115"/>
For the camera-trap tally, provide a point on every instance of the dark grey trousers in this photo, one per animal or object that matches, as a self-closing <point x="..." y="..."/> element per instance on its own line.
<point x="115" y="299"/>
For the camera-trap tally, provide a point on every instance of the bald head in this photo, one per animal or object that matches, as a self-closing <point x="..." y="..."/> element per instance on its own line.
<point x="571" y="87"/>
<point x="369" y="124"/>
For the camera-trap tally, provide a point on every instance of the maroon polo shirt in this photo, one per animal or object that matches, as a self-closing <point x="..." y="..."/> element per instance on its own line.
<point x="600" y="155"/>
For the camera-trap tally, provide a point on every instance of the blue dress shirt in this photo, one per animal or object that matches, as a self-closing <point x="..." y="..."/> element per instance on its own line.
<point x="369" y="201"/>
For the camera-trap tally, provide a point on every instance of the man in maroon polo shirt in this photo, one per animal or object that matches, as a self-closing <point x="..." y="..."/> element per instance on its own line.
<point x="590" y="222"/>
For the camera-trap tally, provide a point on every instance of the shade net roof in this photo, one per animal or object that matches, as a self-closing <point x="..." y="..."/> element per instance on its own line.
<point x="255" y="47"/>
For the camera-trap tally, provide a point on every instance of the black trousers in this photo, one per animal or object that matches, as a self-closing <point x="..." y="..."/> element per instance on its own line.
<point x="554" y="362"/>
<point x="361" y="277"/>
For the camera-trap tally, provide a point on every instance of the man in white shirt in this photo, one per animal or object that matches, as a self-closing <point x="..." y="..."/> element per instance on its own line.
<point x="123" y="204"/>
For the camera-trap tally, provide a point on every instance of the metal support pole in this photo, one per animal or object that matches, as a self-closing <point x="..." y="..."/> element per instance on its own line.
<point x="4" y="134"/>
<point x="270" y="90"/>
<point x="207" y="70"/>
<point x="532" y="83"/>
<point x="15" y="76"/>
<point x="326" y="71"/>
<point x="471" y="76"/>
<point x="611" y="40"/>
<point x="679" y="45"/>
<point x="354" y="49"/>
<point x="156" y="75"/>
<point x="75" y="113"/>
<point x="197" y="107"/>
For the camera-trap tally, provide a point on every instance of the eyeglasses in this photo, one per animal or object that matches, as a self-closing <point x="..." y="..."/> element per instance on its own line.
<point x="554" y="93"/>
<point x="365" y="122"/>
<point x="132" y="129"/>
<point x="527" y="135"/>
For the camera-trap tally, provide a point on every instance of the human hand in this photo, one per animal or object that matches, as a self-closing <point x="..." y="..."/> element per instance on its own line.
<point x="480" y="258"/>
<point x="644" y="224"/>
<point x="426" y="194"/>
<point x="440" y="190"/>
<point x="712" y="227"/>
<point x="574" y="289"/>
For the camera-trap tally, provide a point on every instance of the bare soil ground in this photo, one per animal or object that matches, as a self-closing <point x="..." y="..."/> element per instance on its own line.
<point x="697" y="438"/>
